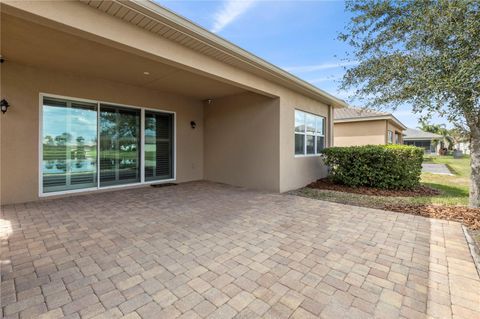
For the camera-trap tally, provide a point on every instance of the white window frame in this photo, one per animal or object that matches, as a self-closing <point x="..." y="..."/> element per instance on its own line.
<point x="41" y="193"/>
<point x="389" y="134"/>
<point x="305" y="134"/>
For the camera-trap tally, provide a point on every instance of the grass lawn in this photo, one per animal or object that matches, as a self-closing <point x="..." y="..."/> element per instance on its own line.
<point x="454" y="188"/>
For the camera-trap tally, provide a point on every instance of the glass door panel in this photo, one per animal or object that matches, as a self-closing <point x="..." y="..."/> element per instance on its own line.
<point x="158" y="146"/>
<point x="119" y="145"/>
<point x="69" y="133"/>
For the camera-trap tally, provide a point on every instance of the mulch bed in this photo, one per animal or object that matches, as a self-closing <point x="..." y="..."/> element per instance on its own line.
<point x="470" y="217"/>
<point x="325" y="183"/>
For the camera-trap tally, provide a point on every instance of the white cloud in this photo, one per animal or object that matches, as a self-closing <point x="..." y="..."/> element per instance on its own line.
<point x="229" y="12"/>
<point x="317" y="67"/>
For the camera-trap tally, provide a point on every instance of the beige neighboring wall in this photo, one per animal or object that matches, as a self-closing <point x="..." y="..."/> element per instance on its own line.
<point x="360" y="133"/>
<point x="20" y="125"/>
<point x="241" y="141"/>
<point x="298" y="171"/>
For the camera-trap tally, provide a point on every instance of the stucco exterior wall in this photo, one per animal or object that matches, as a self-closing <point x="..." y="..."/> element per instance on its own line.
<point x="360" y="133"/>
<point x="241" y="141"/>
<point x="298" y="171"/>
<point x="20" y="125"/>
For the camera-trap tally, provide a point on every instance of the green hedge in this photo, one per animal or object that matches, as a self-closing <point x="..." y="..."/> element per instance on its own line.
<point x="381" y="166"/>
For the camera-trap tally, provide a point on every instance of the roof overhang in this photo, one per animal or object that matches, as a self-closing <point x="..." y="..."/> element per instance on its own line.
<point x="391" y="118"/>
<point x="155" y="18"/>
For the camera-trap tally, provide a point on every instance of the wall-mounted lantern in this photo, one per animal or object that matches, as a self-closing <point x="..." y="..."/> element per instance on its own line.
<point x="4" y="105"/>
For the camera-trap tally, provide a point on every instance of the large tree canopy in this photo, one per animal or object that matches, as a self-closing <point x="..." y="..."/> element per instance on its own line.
<point x="420" y="52"/>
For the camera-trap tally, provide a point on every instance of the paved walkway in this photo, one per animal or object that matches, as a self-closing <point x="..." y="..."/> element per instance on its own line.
<point x="204" y="250"/>
<point x="441" y="169"/>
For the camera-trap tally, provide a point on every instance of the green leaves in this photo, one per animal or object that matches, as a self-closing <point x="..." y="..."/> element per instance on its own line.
<point x="426" y="53"/>
<point x="382" y="166"/>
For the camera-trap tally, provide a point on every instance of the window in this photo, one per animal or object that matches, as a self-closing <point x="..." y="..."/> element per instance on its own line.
<point x="309" y="133"/>
<point x="390" y="137"/>
<point x="93" y="145"/>
<point x="397" y="138"/>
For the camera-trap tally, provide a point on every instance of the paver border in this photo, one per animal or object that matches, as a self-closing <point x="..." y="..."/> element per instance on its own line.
<point x="473" y="251"/>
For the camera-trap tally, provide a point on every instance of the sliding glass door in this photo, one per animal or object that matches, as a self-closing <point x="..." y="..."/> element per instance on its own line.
<point x="69" y="144"/>
<point x="119" y="145"/>
<point x="158" y="145"/>
<point x="92" y="145"/>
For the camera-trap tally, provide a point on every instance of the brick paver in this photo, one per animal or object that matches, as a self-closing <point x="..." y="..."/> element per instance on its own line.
<point x="205" y="250"/>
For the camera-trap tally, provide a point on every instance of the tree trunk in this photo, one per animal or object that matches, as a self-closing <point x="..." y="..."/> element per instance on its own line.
<point x="474" y="200"/>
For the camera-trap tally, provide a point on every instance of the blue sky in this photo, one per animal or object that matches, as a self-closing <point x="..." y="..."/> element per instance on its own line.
<point x="299" y="36"/>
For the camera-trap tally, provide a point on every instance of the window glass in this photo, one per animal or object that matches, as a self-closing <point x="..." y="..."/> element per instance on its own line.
<point x="299" y="144"/>
<point x="310" y="123"/>
<point x="390" y="137"/>
<point x="158" y="145"/>
<point x="69" y="133"/>
<point x="299" y="121"/>
<point x="119" y="145"/>
<point x="310" y="144"/>
<point x="320" y="121"/>
<point x="320" y="143"/>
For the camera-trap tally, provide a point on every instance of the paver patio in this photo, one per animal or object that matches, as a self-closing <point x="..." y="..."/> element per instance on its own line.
<point x="205" y="250"/>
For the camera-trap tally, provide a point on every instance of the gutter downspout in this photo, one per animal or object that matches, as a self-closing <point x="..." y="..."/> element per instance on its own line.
<point x="330" y="125"/>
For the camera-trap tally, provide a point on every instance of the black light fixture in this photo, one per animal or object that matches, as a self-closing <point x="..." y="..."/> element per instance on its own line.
<point x="4" y="105"/>
<point x="193" y="125"/>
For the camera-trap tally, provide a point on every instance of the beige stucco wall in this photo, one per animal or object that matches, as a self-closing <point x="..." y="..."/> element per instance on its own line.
<point x="20" y="125"/>
<point x="360" y="133"/>
<point x="297" y="171"/>
<point x="241" y="141"/>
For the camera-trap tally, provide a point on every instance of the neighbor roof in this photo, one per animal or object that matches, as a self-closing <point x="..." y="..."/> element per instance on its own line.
<point x="414" y="134"/>
<point x="155" y="18"/>
<point x="355" y="115"/>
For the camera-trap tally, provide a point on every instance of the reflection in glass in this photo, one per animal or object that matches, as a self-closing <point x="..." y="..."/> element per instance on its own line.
<point x="310" y="144"/>
<point x="119" y="145"/>
<point x="299" y="144"/>
<point x="310" y="123"/>
<point x="69" y="145"/>
<point x="320" y="143"/>
<point x="320" y="125"/>
<point x="299" y="121"/>
<point x="158" y="145"/>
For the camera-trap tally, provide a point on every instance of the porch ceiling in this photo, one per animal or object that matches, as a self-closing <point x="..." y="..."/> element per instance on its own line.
<point x="29" y="43"/>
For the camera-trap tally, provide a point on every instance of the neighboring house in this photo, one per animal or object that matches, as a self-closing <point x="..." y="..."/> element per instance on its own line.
<point x="363" y="127"/>
<point x="109" y="94"/>
<point x="426" y="140"/>
<point x="463" y="147"/>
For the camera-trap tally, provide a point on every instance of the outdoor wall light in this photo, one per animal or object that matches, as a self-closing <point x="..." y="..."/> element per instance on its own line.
<point x="4" y="105"/>
<point x="193" y="125"/>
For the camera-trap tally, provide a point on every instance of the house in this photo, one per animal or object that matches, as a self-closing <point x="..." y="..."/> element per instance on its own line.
<point x="426" y="140"/>
<point x="363" y="127"/>
<point x="109" y="94"/>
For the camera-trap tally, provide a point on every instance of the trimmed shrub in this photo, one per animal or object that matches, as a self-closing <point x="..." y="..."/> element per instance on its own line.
<point x="381" y="166"/>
